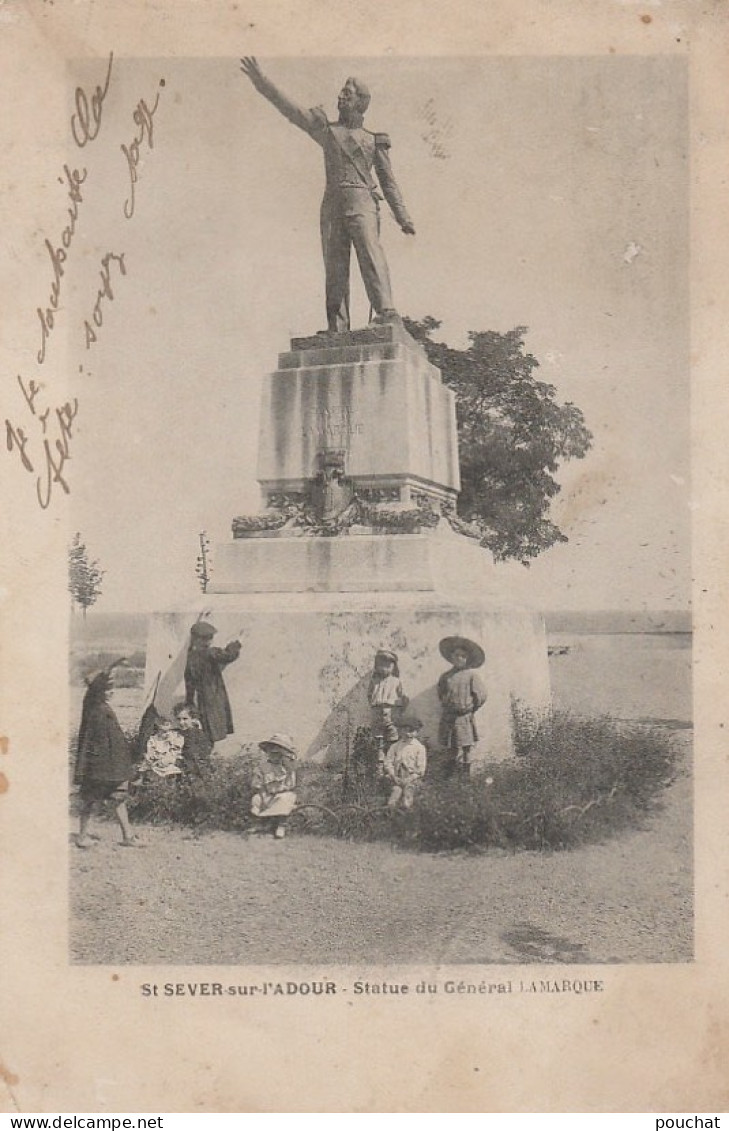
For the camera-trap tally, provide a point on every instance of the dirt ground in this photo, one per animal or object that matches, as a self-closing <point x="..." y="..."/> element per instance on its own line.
<point x="228" y="898"/>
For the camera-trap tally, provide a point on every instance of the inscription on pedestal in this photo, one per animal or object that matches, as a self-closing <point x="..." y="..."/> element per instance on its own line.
<point x="331" y="427"/>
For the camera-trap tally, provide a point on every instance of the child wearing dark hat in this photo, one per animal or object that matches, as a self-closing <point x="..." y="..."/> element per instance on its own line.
<point x="385" y="695"/>
<point x="461" y="694"/>
<point x="405" y="764"/>
<point x="275" y="783"/>
<point x="104" y="761"/>
<point x="204" y="686"/>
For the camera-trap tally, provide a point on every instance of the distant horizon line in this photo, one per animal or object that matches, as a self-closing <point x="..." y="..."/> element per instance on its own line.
<point x="656" y="611"/>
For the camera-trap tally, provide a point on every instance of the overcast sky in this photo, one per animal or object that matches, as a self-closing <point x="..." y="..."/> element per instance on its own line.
<point x="546" y="192"/>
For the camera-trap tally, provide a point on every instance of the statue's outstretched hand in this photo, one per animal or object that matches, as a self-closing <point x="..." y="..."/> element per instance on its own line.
<point x="250" y="67"/>
<point x="408" y="229"/>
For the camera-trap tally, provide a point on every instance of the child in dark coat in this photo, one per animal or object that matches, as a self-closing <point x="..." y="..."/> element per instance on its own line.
<point x="204" y="686"/>
<point x="104" y="761"/>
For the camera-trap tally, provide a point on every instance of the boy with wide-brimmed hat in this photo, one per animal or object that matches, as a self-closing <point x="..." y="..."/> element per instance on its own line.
<point x="275" y="783"/>
<point x="462" y="694"/>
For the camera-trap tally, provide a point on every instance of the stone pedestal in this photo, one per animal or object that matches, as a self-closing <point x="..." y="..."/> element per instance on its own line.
<point x="439" y="561"/>
<point x="314" y="609"/>
<point x="307" y="657"/>
<point x="371" y="394"/>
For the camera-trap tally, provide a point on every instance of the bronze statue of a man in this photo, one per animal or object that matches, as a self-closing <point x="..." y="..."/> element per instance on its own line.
<point x="350" y="210"/>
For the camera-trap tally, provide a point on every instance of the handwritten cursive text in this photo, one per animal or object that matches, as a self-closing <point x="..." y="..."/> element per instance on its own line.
<point x="144" y="118"/>
<point x="58" y="256"/>
<point x="41" y="435"/>
<point x="105" y="291"/>
<point x="55" y="448"/>
<point x="86" y="123"/>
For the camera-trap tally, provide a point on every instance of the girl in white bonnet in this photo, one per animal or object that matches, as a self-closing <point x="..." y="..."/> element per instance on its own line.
<point x="275" y="783"/>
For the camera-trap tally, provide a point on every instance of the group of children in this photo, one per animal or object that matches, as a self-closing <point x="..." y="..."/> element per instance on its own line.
<point x="401" y="757"/>
<point x="181" y="747"/>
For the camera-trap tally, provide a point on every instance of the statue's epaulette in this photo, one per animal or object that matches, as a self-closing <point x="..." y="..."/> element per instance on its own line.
<point x="382" y="141"/>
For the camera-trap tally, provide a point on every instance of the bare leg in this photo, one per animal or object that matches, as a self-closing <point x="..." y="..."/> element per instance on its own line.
<point x="122" y="816"/>
<point x="83" y="840"/>
<point x="408" y="796"/>
<point x="394" y="798"/>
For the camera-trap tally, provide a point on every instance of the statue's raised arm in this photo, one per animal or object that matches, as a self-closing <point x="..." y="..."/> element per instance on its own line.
<point x="309" y="120"/>
<point x="350" y="208"/>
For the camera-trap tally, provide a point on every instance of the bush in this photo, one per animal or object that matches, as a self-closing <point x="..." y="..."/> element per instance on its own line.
<point x="221" y="801"/>
<point x="574" y="781"/>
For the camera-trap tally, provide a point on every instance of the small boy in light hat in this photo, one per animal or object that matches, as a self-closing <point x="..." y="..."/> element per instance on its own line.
<point x="385" y="695"/>
<point x="461" y="694"/>
<point x="405" y="763"/>
<point x="275" y="783"/>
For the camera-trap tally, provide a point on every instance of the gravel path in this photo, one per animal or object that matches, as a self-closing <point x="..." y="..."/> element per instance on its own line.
<point x="230" y="899"/>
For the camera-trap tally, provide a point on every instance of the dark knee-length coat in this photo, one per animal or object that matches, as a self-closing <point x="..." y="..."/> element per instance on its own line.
<point x="205" y="689"/>
<point x="104" y="754"/>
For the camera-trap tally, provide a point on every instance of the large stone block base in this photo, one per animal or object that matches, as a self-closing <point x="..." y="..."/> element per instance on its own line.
<point x="371" y="394"/>
<point x="441" y="561"/>
<point x="306" y="661"/>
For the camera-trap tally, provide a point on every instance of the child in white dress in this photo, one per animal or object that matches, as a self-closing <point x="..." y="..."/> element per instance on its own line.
<point x="275" y="783"/>
<point x="164" y="750"/>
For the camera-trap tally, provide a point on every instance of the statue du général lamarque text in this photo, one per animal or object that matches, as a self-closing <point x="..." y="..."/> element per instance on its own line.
<point x="350" y="210"/>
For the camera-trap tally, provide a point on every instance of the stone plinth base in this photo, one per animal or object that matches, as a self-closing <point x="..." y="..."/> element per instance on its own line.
<point x="307" y="658"/>
<point x="439" y="562"/>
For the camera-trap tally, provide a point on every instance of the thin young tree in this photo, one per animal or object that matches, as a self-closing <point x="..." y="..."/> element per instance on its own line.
<point x="202" y="565"/>
<point x="84" y="575"/>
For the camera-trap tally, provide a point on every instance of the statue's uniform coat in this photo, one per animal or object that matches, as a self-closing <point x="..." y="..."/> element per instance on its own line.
<point x="350" y="208"/>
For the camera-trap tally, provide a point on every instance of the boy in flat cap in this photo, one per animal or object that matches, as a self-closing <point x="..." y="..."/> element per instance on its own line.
<point x="204" y="686"/>
<point x="405" y="764"/>
<point x="461" y="694"/>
